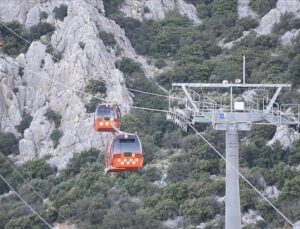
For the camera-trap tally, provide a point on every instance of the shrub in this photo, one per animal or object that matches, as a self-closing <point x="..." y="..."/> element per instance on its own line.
<point x="134" y="184"/>
<point x="42" y="186"/>
<point x="15" y="90"/>
<point x="60" y="12"/>
<point x="8" y="143"/>
<point x="28" y="221"/>
<point x="78" y="161"/>
<point x="25" y="123"/>
<point x="37" y="169"/>
<point x="224" y="7"/>
<point x="81" y="44"/>
<point x="56" y="55"/>
<point x="21" y="71"/>
<point x="108" y="39"/>
<point x="262" y="6"/>
<point x="92" y="105"/>
<point x="279" y="174"/>
<point x="112" y="7"/>
<point x="166" y="209"/>
<point x="177" y="192"/>
<point x="40" y="29"/>
<point x="248" y="200"/>
<point x="242" y="25"/>
<point x="135" y="79"/>
<point x="14" y="45"/>
<point x="42" y="63"/>
<point x="287" y="23"/>
<point x="173" y="140"/>
<point x="130" y="219"/>
<point x="3" y="220"/>
<point x="55" y="136"/>
<point x="52" y="116"/>
<point x="294" y="68"/>
<point x="156" y="38"/>
<point x="185" y="73"/>
<point x="205" y="187"/>
<point x="203" y="10"/>
<point x="294" y="155"/>
<point x="129" y="123"/>
<point x="200" y="210"/>
<point x="160" y="63"/>
<point x="175" y="174"/>
<point x="43" y="15"/>
<point x="209" y="166"/>
<point x="146" y="10"/>
<point x="291" y="189"/>
<point x="95" y="86"/>
<point x="128" y="66"/>
<point x="137" y="32"/>
<point x="152" y="174"/>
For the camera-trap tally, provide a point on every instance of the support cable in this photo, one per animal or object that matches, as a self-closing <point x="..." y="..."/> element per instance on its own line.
<point x="240" y="174"/>
<point x="36" y="192"/>
<point x="17" y="194"/>
<point x="83" y="76"/>
<point x="148" y="109"/>
<point x="165" y="111"/>
<point x="80" y="91"/>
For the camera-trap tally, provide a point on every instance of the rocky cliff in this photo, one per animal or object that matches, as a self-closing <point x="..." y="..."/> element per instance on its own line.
<point x="158" y="9"/>
<point x="84" y="55"/>
<point x="267" y="21"/>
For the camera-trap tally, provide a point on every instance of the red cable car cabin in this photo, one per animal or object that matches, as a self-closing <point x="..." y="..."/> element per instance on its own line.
<point x="107" y="118"/>
<point x="1" y="40"/>
<point x="124" y="153"/>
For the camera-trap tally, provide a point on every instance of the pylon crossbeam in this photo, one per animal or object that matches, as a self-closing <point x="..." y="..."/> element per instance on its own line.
<point x="240" y="115"/>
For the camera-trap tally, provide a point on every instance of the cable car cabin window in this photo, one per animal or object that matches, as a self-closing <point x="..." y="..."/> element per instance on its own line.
<point x="105" y="112"/>
<point x="126" y="146"/>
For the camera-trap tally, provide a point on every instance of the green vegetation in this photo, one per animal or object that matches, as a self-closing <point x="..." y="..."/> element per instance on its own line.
<point x="156" y="38"/>
<point x="146" y="10"/>
<point x="14" y="45"/>
<point x="95" y="86"/>
<point x="56" y="55"/>
<point x="112" y="7"/>
<point x="193" y="173"/>
<point x="55" y="136"/>
<point x="98" y="88"/>
<point x="43" y="15"/>
<point x="8" y="143"/>
<point x="108" y="39"/>
<point x="60" y="12"/>
<point x="160" y="63"/>
<point x="40" y="29"/>
<point x="53" y="116"/>
<point x="25" y="123"/>
<point x="287" y="23"/>
<point x="224" y="7"/>
<point x="241" y="25"/>
<point x="135" y="79"/>
<point x="92" y="105"/>
<point x="261" y="6"/>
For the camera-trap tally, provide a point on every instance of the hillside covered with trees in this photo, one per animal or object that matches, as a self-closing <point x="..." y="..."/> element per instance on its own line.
<point x="182" y="183"/>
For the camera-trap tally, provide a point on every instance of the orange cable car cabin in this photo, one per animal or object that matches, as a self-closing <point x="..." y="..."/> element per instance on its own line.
<point x="107" y="118"/>
<point x="124" y="153"/>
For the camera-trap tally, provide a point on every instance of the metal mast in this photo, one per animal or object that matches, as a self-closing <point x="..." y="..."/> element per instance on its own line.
<point x="231" y="114"/>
